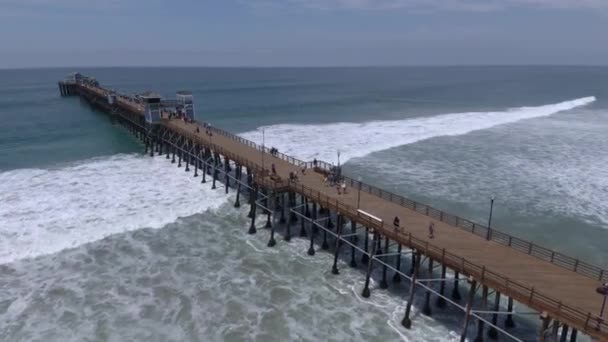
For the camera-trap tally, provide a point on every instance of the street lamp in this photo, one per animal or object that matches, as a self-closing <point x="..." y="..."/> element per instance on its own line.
<point x="263" y="148"/>
<point x="490" y="218"/>
<point x="603" y="290"/>
<point x="359" y="193"/>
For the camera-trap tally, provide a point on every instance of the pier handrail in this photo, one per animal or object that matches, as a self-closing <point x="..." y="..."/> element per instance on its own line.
<point x="527" y="247"/>
<point x="517" y="290"/>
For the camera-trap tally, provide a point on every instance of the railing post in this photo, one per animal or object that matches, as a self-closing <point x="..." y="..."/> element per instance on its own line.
<point x="575" y="265"/>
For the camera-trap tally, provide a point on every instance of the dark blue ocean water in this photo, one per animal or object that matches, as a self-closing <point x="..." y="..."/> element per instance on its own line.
<point x="83" y="210"/>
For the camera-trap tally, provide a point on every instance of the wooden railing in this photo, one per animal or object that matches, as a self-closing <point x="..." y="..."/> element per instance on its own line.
<point x="502" y="238"/>
<point x="590" y="323"/>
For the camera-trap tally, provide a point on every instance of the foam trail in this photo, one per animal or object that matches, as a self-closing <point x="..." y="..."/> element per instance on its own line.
<point x="359" y="139"/>
<point x="46" y="211"/>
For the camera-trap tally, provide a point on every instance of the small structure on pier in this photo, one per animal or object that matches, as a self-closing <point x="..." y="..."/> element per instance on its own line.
<point x="152" y="107"/>
<point x="185" y="103"/>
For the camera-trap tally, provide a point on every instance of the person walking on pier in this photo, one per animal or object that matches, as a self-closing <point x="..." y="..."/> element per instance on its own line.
<point x="431" y="230"/>
<point x="396" y="223"/>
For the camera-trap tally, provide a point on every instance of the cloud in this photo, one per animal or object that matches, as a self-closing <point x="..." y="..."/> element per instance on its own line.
<point x="447" y="5"/>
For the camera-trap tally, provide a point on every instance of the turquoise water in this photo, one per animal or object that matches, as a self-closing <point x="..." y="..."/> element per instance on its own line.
<point x="101" y="242"/>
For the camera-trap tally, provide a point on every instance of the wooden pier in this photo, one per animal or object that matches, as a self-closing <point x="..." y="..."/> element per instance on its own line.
<point x="563" y="290"/>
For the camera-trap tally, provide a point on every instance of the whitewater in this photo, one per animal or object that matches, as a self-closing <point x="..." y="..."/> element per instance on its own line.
<point x="45" y="211"/>
<point x="355" y="140"/>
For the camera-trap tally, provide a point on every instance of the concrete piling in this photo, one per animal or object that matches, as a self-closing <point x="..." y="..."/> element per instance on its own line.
<point x="353" y="231"/>
<point x="383" y="282"/>
<point x="492" y="332"/>
<point x="252" y="229"/>
<point x="370" y="265"/>
<point x="455" y="289"/>
<point x="406" y="322"/>
<point x="468" y="307"/>
<point x="364" y="256"/>
<point x="480" y="323"/>
<point x="397" y="276"/>
<point x="334" y="268"/>
<point x="426" y="310"/>
<point x="440" y="303"/>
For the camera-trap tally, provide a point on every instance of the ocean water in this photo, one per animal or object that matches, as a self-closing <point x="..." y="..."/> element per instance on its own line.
<point x="101" y="243"/>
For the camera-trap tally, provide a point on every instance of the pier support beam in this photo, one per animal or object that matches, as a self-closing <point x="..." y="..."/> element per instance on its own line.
<point x="455" y="290"/>
<point x="406" y="322"/>
<point x="440" y="300"/>
<point x="292" y="203"/>
<point x="353" y="231"/>
<point x="173" y="160"/>
<point x="215" y="162"/>
<point x="252" y="229"/>
<point x="468" y="307"/>
<point x="383" y="282"/>
<point x="292" y="219"/>
<point x="324" y="244"/>
<point x="204" y="167"/>
<point x="282" y="208"/>
<point x="545" y="320"/>
<point x="492" y="332"/>
<point x="226" y="172"/>
<point x="564" y="334"/>
<point x="267" y="194"/>
<point x="573" y="335"/>
<point x="509" y="323"/>
<point x="238" y="172"/>
<point x="303" y="211"/>
<point x="427" y="296"/>
<point x="397" y="276"/>
<point x="340" y="223"/>
<point x="187" y="156"/>
<point x="370" y="265"/>
<point x="272" y="242"/>
<point x="196" y="163"/>
<point x="365" y="256"/>
<point x="311" y="248"/>
<point x="484" y="305"/>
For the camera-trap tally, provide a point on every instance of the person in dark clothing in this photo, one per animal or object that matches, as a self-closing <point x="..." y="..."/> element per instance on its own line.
<point x="396" y="222"/>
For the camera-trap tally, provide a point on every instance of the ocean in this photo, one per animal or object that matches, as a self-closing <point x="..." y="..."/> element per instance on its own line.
<point x="99" y="242"/>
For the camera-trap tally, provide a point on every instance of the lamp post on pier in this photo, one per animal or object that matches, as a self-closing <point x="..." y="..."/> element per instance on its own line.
<point x="359" y="193"/>
<point x="263" y="148"/>
<point x="490" y="218"/>
<point x="603" y="290"/>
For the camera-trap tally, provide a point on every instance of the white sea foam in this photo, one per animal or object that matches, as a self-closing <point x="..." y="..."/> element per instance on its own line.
<point x="360" y="139"/>
<point x="46" y="211"/>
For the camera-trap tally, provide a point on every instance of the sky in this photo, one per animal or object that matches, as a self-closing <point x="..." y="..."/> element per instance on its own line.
<point x="50" y="33"/>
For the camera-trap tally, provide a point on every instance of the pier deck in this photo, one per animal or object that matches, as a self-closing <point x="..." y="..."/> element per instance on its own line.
<point x="568" y="296"/>
<point x="570" y="288"/>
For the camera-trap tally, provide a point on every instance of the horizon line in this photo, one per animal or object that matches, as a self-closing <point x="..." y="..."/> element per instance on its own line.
<point x="301" y="66"/>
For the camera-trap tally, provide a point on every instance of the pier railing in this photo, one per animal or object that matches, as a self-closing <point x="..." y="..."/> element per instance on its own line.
<point x="520" y="292"/>
<point x="491" y="234"/>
